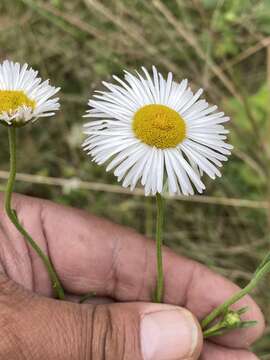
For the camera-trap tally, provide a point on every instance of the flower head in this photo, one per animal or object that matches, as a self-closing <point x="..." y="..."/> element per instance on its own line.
<point x="23" y="95"/>
<point x="154" y="129"/>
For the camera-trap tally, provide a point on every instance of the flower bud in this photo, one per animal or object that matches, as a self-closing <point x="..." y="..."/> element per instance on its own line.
<point x="231" y="320"/>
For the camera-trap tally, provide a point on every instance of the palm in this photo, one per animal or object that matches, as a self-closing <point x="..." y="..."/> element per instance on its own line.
<point x="92" y="254"/>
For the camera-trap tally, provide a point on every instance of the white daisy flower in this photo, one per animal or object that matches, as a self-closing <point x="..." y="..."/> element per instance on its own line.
<point x="155" y="130"/>
<point x="23" y="95"/>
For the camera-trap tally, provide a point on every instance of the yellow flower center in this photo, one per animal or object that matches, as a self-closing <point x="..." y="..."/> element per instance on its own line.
<point x="11" y="100"/>
<point x="158" y="125"/>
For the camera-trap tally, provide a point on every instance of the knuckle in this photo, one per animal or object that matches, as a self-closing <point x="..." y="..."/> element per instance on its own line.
<point x="102" y="331"/>
<point x="113" y="334"/>
<point x="13" y="297"/>
<point x="13" y="302"/>
<point x="11" y="345"/>
<point x="7" y="287"/>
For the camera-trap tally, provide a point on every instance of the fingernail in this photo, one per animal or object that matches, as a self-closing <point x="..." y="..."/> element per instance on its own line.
<point x="168" y="335"/>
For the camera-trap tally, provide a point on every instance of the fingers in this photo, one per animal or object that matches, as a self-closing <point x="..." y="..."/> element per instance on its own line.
<point x="32" y="327"/>
<point x="91" y="254"/>
<point x="61" y="330"/>
<point x="212" y="351"/>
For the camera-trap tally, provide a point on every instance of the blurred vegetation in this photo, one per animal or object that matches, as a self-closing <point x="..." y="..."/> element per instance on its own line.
<point x="223" y="46"/>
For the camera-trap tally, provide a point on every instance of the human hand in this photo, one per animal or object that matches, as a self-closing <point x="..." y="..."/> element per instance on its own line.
<point x="92" y="254"/>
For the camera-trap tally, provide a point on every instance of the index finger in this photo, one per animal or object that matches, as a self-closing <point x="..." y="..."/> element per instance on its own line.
<point x="93" y="254"/>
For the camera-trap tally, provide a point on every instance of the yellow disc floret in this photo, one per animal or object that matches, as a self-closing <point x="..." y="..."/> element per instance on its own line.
<point x="11" y="100"/>
<point x="159" y="125"/>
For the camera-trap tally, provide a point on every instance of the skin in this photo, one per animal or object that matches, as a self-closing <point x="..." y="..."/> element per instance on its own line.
<point x="93" y="254"/>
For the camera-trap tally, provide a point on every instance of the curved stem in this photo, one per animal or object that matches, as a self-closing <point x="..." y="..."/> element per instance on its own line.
<point x="12" y="135"/>
<point x="220" y="309"/>
<point x="262" y="270"/>
<point x="159" y="229"/>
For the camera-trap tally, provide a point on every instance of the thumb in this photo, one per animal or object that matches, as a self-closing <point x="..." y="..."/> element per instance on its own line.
<point x="50" y="329"/>
<point x="144" y="331"/>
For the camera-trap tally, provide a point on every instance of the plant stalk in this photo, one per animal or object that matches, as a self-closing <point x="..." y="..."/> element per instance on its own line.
<point x="12" y="136"/>
<point x="159" y="241"/>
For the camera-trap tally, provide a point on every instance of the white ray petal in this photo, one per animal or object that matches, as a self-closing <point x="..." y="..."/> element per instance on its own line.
<point x="172" y="182"/>
<point x="16" y="77"/>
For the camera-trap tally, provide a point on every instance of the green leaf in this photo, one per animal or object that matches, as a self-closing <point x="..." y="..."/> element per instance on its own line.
<point x="248" y="324"/>
<point x="242" y="310"/>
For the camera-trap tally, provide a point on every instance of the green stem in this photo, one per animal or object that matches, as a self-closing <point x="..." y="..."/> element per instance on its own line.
<point x="259" y="274"/>
<point x="159" y="228"/>
<point x="87" y="297"/>
<point x="210" y="332"/>
<point x="12" y="135"/>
